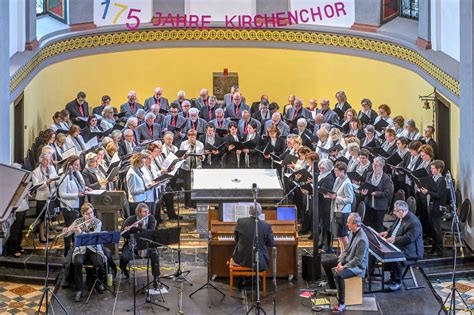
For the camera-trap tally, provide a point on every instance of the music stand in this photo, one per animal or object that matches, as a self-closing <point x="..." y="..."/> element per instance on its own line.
<point x="96" y="239"/>
<point x="151" y="240"/>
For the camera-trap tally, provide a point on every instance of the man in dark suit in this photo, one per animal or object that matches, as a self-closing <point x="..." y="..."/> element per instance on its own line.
<point x="352" y="262"/>
<point x="406" y="233"/>
<point x="159" y="117"/>
<point x="78" y="107"/>
<point x="157" y="98"/>
<point x="220" y="122"/>
<point x="208" y="111"/>
<point x="105" y="102"/>
<point x="245" y="237"/>
<point x="202" y="100"/>
<point x="229" y="97"/>
<point x="140" y="222"/>
<point x="132" y="106"/>
<point x="256" y="105"/>
<point x="244" y="123"/>
<point x="194" y="122"/>
<point x="235" y="109"/>
<point x="276" y="121"/>
<point x="149" y="130"/>
<point x="329" y="116"/>
<point x="297" y="111"/>
<point x="181" y="98"/>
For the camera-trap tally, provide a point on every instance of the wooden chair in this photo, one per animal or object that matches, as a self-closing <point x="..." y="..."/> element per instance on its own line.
<point x="240" y="271"/>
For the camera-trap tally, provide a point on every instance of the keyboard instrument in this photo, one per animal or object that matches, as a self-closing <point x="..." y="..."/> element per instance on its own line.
<point x="222" y="244"/>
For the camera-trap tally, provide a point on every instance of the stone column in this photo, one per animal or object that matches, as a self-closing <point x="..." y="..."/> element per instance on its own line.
<point x="368" y="15"/>
<point x="81" y="15"/>
<point x="466" y="141"/>
<point x="166" y="7"/>
<point x="424" y="24"/>
<point x="30" y="19"/>
<point x="5" y="138"/>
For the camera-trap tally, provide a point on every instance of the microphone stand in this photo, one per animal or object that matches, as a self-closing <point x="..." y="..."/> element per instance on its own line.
<point x="46" y="290"/>
<point x="454" y="230"/>
<point x="208" y="284"/>
<point x="289" y="193"/>
<point x="256" y="251"/>
<point x="179" y="275"/>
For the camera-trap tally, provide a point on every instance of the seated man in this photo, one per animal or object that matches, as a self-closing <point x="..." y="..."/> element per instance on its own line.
<point x="406" y="233"/>
<point x="244" y="238"/>
<point x="140" y="222"/>
<point x="352" y="262"/>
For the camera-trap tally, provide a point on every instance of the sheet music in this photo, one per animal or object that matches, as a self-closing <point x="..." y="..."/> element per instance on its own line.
<point x="169" y="159"/>
<point x="92" y="143"/>
<point x="114" y="159"/>
<point x="241" y="211"/>
<point x="69" y="152"/>
<point x="176" y="167"/>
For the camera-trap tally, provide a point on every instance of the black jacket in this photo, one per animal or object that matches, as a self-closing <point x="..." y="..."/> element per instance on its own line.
<point x="383" y="194"/>
<point x="74" y="112"/>
<point x="90" y="179"/>
<point x="244" y="238"/>
<point x="438" y="198"/>
<point x="215" y="158"/>
<point x="409" y="237"/>
<point x="131" y="220"/>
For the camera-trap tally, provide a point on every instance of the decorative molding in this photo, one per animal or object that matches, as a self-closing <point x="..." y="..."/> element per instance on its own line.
<point x="360" y="43"/>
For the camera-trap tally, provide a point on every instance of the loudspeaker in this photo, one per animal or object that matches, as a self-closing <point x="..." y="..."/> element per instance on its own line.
<point x="308" y="270"/>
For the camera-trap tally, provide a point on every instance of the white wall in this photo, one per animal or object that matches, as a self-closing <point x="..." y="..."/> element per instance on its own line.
<point x="343" y="20"/>
<point x="17" y="26"/>
<point x="218" y="9"/>
<point x="445" y="27"/>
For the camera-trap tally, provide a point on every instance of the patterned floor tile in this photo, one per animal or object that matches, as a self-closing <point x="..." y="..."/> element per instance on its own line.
<point x="19" y="298"/>
<point x="465" y="288"/>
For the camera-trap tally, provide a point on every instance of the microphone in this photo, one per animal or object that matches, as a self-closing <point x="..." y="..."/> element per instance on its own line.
<point x="255" y="187"/>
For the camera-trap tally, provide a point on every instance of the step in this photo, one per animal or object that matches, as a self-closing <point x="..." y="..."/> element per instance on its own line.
<point x="28" y="276"/>
<point x="32" y="262"/>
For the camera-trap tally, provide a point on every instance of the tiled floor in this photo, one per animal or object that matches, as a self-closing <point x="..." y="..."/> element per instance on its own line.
<point x="19" y="298"/>
<point x="465" y="288"/>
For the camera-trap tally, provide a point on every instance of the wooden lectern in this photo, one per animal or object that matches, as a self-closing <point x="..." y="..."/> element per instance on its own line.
<point x="108" y="206"/>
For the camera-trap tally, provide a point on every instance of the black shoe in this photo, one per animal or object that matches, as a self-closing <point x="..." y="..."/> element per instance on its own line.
<point x="395" y="287"/>
<point x="438" y="254"/>
<point x="310" y="236"/>
<point x="78" y="297"/>
<point x="125" y="273"/>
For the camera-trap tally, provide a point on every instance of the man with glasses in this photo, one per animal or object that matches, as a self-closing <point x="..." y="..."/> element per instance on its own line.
<point x="352" y="262"/>
<point x="406" y="233"/>
<point x="157" y="99"/>
<point x="330" y="116"/>
<point x="78" y="107"/>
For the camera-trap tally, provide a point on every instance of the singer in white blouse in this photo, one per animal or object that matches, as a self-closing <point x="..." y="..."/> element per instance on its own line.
<point x="43" y="175"/>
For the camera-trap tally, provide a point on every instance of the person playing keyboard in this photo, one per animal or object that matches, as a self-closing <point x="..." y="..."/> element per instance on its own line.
<point x="406" y="233"/>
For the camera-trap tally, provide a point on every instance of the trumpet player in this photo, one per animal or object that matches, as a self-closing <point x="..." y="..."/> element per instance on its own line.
<point x="140" y="222"/>
<point x="88" y="223"/>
